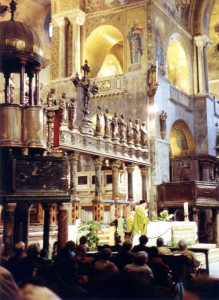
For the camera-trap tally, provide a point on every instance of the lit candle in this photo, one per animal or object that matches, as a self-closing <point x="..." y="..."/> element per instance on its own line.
<point x="186" y="211"/>
<point x="156" y="70"/>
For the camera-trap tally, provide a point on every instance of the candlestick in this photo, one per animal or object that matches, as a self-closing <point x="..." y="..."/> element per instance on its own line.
<point x="186" y="211"/>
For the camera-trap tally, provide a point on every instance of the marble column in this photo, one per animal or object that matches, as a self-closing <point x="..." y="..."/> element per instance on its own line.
<point x="75" y="201"/>
<point x="46" y="224"/>
<point x="62" y="225"/>
<point x="130" y="169"/>
<point x="115" y="179"/>
<point x="21" y="222"/>
<point x="98" y="162"/>
<point x="8" y="227"/>
<point x="22" y="91"/>
<point x="31" y="99"/>
<point x="144" y="171"/>
<point x="216" y="226"/>
<point x="37" y="86"/>
<point x="60" y="23"/>
<point x="205" y="170"/>
<point x="201" y="42"/>
<point x="77" y="19"/>
<point x="7" y="88"/>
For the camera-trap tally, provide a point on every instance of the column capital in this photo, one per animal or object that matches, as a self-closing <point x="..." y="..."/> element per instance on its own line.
<point x="73" y="156"/>
<point x="115" y="165"/>
<point x="130" y="168"/>
<point x="64" y="206"/>
<point x="202" y="40"/>
<point x="98" y="161"/>
<point x="144" y="170"/>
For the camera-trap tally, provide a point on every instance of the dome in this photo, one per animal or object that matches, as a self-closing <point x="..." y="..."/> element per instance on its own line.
<point x="18" y="41"/>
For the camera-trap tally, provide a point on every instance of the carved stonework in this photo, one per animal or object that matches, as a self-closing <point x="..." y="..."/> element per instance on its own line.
<point x="98" y="211"/>
<point x="55" y="53"/>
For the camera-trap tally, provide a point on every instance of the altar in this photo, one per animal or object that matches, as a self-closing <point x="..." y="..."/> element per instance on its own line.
<point x="172" y="232"/>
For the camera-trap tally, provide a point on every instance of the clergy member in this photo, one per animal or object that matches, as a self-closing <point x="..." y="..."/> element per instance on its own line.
<point x="140" y="219"/>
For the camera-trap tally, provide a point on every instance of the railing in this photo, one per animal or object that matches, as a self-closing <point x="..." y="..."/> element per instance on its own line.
<point x="181" y="98"/>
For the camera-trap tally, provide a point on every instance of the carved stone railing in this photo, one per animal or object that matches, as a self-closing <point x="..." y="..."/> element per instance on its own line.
<point x="112" y="85"/>
<point x="76" y="141"/>
<point x="180" y="98"/>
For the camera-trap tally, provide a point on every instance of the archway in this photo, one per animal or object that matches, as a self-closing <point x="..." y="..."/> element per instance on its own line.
<point x="104" y="51"/>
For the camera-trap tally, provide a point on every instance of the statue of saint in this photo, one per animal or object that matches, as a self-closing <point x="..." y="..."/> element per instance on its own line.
<point x="122" y="129"/>
<point x="106" y="123"/>
<point x="98" y="120"/>
<point x="72" y="113"/>
<point x="130" y="133"/>
<point x="62" y="107"/>
<point x="163" y="118"/>
<point x="137" y="132"/>
<point x="115" y="127"/>
<point x="143" y="135"/>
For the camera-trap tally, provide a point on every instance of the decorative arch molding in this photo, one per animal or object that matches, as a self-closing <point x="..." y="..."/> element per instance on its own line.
<point x="181" y="140"/>
<point x="200" y="16"/>
<point x="110" y="40"/>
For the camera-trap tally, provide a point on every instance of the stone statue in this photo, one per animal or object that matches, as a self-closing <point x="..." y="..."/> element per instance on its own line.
<point x="115" y="127"/>
<point x="163" y="118"/>
<point x="50" y="98"/>
<point x="137" y="132"/>
<point x="72" y="113"/>
<point x="62" y="107"/>
<point x="98" y="121"/>
<point x="152" y="81"/>
<point x="122" y="129"/>
<point x="106" y="123"/>
<point x="130" y="133"/>
<point x="143" y="135"/>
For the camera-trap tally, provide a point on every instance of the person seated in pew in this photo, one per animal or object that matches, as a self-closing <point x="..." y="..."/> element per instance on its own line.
<point x="162" y="249"/>
<point x="161" y="271"/>
<point x="193" y="262"/>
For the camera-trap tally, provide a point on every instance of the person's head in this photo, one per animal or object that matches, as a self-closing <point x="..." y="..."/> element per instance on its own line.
<point x="43" y="253"/>
<point x="182" y="244"/>
<point x="80" y="251"/>
<point x="106" y="253"/>
<point x="127" y="245"/>
<point x="19" y="249"/>
<point x="141" y="258"/>
<point x="83" y="240"/>
<point x="153" y="251"/>
<point x="143" y="239"/>
<point x="143" y="203"/>
<point x="33" y="250"/>
<point x="71" y="245"/>
<point x="202" y="288"/>
<point x="160" y="242"/>
<point x="34" y="292"/>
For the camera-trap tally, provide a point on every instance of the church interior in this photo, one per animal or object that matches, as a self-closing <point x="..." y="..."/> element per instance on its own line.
<point x="102" y="104"/>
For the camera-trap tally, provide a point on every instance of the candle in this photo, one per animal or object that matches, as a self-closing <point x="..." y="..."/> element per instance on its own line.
<point x="156" y="70"/>
<point x="186" y="211"/>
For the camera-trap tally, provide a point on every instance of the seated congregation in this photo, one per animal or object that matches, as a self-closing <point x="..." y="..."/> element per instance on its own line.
<point x="75" y="272"/>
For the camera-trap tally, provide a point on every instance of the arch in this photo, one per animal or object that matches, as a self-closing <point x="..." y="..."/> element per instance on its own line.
<point x="109" y="52"/>
<point x="181" y="140"/>
<point x="179" y="64"/>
